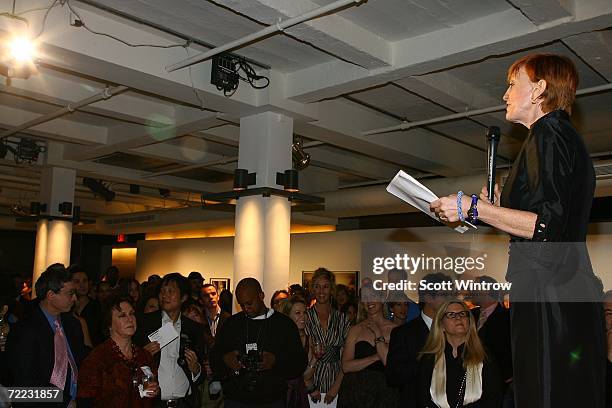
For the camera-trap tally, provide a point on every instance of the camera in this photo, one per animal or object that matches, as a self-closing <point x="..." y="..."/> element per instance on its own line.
<point x="250" y="361"/>
<point x="184" y="344"/>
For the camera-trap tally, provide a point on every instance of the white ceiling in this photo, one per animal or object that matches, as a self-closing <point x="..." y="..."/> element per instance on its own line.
<point x="364" y="67"/>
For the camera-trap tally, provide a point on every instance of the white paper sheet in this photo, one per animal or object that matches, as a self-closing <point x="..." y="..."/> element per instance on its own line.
<point x="408" y="189"/>
<point x="164" y="335"/>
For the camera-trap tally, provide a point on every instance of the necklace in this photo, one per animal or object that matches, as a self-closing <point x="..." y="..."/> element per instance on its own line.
<point x="131" y="362"/>
<point x="461" y="395"/>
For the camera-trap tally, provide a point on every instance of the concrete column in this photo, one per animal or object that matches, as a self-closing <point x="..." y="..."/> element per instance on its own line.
<point x="54" y="236"/>
<point x="261" y="245"/>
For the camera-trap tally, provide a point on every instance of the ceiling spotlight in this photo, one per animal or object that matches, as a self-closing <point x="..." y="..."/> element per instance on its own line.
<point x="289" y="180"/>
<point x="301" y="159"/>
<point x="21" y="50"/>
<point x="98" y="188"/>
<point x="36" y="208"/>
<point x="243" y="179"/>
<point x="65" y="208"/>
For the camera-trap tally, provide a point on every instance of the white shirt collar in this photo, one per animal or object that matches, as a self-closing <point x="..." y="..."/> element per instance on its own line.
<point x="428" y="320"/>
<point x="166" y="319"/>
<point x="269" y="313"/>
<point x="217" y="312"/>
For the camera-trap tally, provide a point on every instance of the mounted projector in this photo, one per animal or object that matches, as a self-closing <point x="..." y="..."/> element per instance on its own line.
<point x="25" y="150"/>
<point x="224" y="74"/>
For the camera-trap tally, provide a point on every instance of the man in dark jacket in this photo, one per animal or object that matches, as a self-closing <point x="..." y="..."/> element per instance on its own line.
<point x="257" y="351"/>
<point x="32" y="344"/>
<point x="179" y="362"/>
<point x="408" y="340"/>
<point x="493" y="324"/>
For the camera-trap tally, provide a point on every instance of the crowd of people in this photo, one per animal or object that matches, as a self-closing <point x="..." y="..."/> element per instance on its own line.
<point x="174" y="342"/>
<point x="99" y="347"/>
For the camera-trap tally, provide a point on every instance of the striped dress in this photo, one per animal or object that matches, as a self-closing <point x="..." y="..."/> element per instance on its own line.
<point x="333" y="338"/>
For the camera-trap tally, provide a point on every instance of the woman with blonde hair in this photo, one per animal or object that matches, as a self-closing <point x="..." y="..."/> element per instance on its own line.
<point x="327" y="329"/>
<point x="454" y="369"/>
<point x="365" y="357"/>
<point x="297" y="388"/>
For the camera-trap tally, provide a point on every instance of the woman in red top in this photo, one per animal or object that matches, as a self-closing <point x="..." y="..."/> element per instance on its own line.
<point x="110" y="375"/>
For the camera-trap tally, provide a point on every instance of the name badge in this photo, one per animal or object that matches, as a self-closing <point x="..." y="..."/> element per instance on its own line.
<point x="250" y="346"/>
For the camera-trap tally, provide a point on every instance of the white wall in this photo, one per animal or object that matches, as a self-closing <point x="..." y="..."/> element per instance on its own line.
<point x="213" y="257"/>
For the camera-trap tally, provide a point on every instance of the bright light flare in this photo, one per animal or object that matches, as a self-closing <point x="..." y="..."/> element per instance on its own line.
<point x="21" y="50"/>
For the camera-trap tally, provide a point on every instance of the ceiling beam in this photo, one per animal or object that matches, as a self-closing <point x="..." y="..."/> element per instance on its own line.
<point x="57" y="129"/>
<point x="133" y="136"/>
<point x="593" y="48"/>
<point x="332" y="33"/>
<point x="55" y="157"/>
<point x="496" y="34"/>
<point x="544" y="11"/>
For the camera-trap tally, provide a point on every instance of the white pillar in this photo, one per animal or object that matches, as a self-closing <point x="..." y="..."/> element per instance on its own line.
<point x="261" y="244"/>
<point x="54" y="237"/>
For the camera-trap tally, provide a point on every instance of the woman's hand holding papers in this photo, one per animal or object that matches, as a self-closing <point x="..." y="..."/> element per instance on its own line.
<point x="446" y="208"/>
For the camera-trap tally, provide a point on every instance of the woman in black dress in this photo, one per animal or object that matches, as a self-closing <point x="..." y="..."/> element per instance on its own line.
<point x="365" y="356"/>
<point x="557" y="323"/>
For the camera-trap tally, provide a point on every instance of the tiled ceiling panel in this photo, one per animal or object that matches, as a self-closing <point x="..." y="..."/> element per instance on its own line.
<point x="398" y="19"/>
<point x="217" y="26"/>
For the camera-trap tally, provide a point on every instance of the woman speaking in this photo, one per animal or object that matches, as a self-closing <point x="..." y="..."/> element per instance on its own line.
<point x="557" y="321"/>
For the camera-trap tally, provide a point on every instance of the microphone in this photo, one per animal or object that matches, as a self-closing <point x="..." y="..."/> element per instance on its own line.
<point x="493" y="136"/>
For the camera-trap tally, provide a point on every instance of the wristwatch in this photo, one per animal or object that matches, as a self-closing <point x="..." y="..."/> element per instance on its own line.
<point x="380" y="339"/>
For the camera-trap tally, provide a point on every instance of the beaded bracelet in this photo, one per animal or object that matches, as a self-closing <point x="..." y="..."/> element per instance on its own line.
<point x="459" y="205"/>
<point x="473" y="211"/>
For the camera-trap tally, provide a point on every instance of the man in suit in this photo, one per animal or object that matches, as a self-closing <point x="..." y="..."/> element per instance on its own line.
<point x="493" y="324"/>
<point x="214" y="320"/>
<point x="215" y="317"/>
<point x="179" y="361"/>
<point x="408" y="340"/>
<point x="46" y="348"/>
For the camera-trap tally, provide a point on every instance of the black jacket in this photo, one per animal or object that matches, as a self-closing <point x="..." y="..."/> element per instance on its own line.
<point x="30" y="350"/>
<point x="491" y="383"/>
<point x="148" y="323"/>
<point x="404" y="345"/>
<point x="495" y="336"/>
<point x="277" y="335"/>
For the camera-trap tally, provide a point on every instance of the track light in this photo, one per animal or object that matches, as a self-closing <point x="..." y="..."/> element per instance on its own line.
<point x="164" y="192"/>
<point x="301" y="159"/>
<point x="65" y="208"/>
<point x="243" y="179"/>
<point x="98" y="188"/>
<point x="17" y="57"/>
<point x="36" y="208"/>
<point x="289" y="180"/>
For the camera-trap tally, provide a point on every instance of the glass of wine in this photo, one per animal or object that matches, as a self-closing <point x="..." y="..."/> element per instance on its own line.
<point x="318" y="349"/>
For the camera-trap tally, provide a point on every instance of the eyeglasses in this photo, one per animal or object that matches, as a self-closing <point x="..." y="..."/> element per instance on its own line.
<point x="456" y="315"/>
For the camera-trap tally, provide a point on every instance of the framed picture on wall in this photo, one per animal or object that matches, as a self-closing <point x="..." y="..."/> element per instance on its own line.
<point x="350" y="279"/>
<point x="220" y="283"/>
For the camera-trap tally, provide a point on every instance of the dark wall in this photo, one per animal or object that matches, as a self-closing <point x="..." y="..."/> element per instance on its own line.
<point x="17" y="251"/>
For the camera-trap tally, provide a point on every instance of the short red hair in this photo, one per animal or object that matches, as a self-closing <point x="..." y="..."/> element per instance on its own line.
<point x="560" y="75"/>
